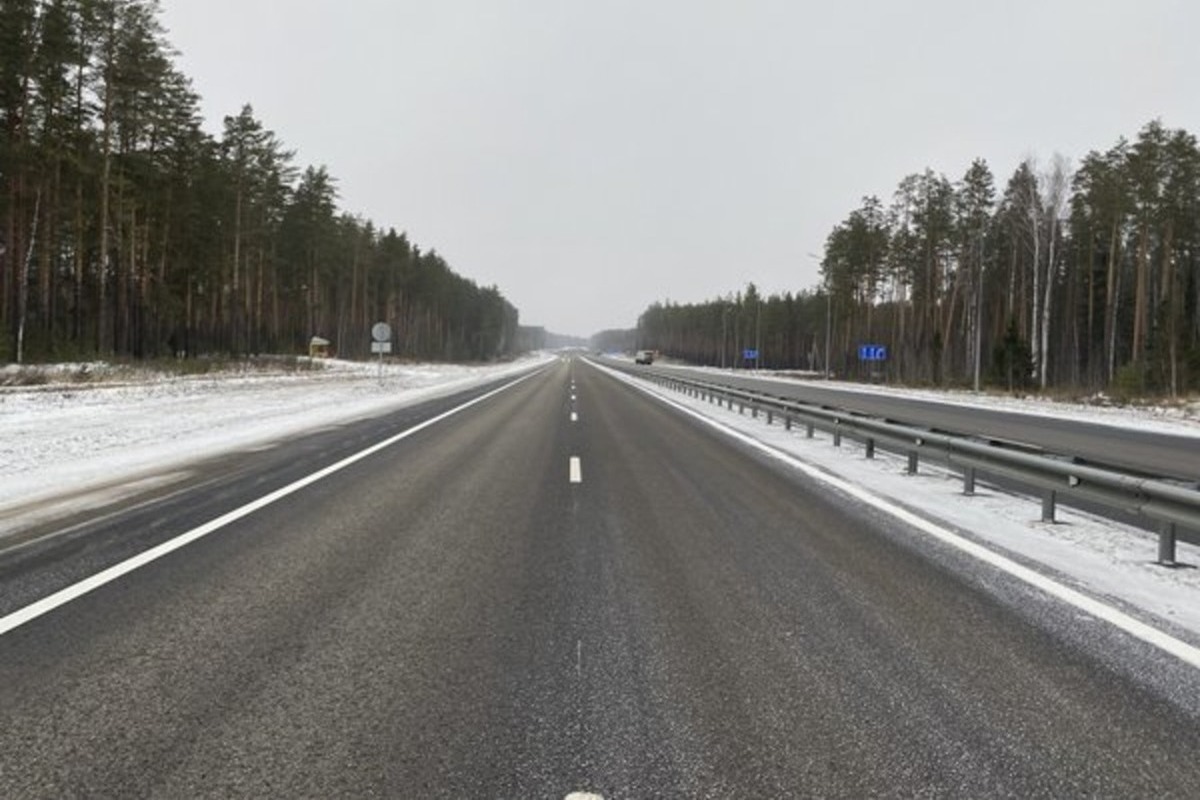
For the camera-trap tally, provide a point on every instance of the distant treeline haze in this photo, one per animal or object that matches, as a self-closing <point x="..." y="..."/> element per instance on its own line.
<point x="127" y="230"/>
<point x="1081" y="278"/>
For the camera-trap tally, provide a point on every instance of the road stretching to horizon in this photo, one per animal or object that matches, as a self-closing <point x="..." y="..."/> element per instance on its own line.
<point x="567" y="586"/>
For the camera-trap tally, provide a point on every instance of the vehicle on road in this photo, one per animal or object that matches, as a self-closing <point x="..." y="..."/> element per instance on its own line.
<point x="644" y="357"/>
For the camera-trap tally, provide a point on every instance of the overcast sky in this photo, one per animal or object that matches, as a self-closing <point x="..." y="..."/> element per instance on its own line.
<point x="590" y="157"/>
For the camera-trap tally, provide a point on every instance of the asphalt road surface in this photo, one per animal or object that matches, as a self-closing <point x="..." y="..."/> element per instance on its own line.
<point x="561" y="590"/>
<point x="1143" y="451"/>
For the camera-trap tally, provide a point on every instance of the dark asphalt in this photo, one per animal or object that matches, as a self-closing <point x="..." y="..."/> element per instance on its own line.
<point x="1148" y="452"/>
<point x="452" y="617"/>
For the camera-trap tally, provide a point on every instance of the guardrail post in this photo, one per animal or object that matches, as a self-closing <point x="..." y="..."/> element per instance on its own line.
<point x="1049" y="502"/>
<point x="870" y="448"/>
<point x="969" y="481"/>
<point x="808" y="430"/>
<point x="837" y="434"/>
<point x="770" y="416"/>
<point x="754" y="411"/>
<point x="741" y="408"/>
<point x="913" y="462"/>
<point x="1166" y="544"/>
<point x="787" y="422"/>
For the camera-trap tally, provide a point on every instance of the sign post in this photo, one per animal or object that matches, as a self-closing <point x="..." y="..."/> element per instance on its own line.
<point x="872" y="353"/>
<point x="381" y="334"/>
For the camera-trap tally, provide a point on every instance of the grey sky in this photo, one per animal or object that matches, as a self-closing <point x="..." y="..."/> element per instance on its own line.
<point x="592" y="157"/>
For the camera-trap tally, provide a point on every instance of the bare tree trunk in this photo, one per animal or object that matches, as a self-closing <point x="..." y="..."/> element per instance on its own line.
<point x="1091" y="308"/>
<point x="23" y="278"/>
<point x="1057" y="181"/>
<point x="46" y="268"/>
<point x="1141" y="297"/>
<point x="1168" y="301"/>
<point x="235" y="298"/>
<point x="1111" y="288"/>
<point x="103" y="342"/>
<point x="1033" y="212"/>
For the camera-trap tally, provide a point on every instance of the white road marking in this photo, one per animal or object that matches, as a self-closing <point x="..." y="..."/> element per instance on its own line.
<point x="572" y="397"/>
<point x="77" y="590"/>
<point x="574" y="417"/>
<point x="576" y="470"/>
<point x="584" y="796"/>
<point x="1131" y="625"/>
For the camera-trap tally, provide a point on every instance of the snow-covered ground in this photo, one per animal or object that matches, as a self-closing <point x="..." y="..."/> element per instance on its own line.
<point x="120" y="432"/>
<point x="99" y="439"/>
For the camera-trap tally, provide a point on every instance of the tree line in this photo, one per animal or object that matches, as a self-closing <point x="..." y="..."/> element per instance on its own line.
<point x="129" y="231"/>
<point x="1084" y="277"/>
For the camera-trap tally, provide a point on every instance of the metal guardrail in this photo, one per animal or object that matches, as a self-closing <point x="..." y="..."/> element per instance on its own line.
<point x="1168" y="504"/>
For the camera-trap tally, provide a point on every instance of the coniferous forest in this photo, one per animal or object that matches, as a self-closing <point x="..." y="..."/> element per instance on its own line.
<point x="126" y="230"/>
<point x="1078" y="276"/>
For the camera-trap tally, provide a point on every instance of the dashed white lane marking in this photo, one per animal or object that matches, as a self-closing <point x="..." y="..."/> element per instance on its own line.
<point x="572" y="398"/>
<point x="584" y="796"/>
<point x="574" y="417"/>
<point x="74" y="591"/>
<point x="576" y="470"/>
<point x="1185" y="652"/>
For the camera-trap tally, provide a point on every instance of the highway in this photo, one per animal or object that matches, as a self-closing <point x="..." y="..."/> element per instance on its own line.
<point x="565" y="586"/>
<point x="1148" y="452"/>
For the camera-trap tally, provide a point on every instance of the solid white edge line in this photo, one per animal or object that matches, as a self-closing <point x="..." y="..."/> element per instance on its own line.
<point x="576" y="470"/>
<point x="1134" y="627"/>
<point x="63" y="596"/>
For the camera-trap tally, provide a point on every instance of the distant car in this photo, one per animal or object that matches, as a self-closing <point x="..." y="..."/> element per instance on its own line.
<point x="644" y="357"/>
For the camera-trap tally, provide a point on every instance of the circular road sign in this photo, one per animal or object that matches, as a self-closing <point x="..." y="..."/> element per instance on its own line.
<point x="381" y="332"/>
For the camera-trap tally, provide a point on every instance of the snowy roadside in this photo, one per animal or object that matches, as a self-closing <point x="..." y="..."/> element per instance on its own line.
<point x="1104" y="559"/>
<point x="113" y="438"/>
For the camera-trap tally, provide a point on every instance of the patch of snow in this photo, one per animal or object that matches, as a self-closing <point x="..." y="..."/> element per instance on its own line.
<point x="69" y="439"/>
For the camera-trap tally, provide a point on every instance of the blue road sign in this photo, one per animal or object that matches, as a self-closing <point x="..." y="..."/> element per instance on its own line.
<point x="749" y="355"/>
<point x="872" y="352"/>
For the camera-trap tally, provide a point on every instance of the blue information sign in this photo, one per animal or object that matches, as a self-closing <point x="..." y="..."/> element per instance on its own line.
<point x="749" y="355"/>
<point x="872" y="352"/>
